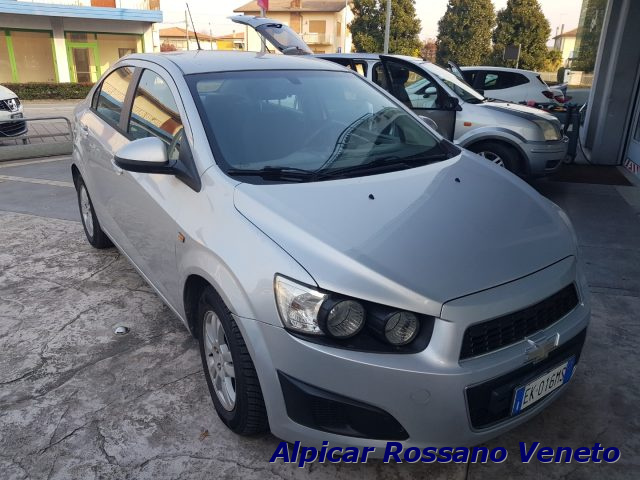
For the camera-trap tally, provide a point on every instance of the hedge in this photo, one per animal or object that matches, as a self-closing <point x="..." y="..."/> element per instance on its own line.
<point x="49" y="91"/>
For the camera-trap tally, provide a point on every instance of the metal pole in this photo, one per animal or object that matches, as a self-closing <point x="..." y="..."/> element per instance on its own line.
<point x="344" y="27"/>
<point x="186" y="28"/>
<point x="387" y="26"/>
<point x="263" y="45"/>
<point x="518" y="59"/>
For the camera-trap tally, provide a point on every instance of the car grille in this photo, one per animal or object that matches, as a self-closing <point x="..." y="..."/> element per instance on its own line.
<point x="10" y="129"/>
<point x="490" y="402"/>
<point x="493" y="334"/>
<point x="5" y="107"/>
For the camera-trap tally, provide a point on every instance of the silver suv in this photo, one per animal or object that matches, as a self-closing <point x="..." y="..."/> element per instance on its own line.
<point x="526" y="141"/>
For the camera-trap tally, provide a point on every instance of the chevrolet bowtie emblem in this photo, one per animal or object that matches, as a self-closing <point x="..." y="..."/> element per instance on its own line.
<point x="537" y="351"/>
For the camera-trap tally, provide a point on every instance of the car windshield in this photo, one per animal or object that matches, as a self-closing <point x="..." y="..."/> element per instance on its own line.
<point x="308" y="124"/>
<point x="460" y="88"/>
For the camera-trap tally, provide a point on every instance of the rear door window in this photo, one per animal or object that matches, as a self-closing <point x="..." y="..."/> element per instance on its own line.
<point x="111" y="95"/>
<point x="500" y="80"/>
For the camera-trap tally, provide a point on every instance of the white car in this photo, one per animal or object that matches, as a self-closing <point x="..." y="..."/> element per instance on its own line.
<point x="10" y="109"/>
<point x="511" y="84"/>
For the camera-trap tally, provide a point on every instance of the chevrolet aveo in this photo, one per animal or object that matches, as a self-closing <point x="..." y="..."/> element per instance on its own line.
<point x="351" y="276"/>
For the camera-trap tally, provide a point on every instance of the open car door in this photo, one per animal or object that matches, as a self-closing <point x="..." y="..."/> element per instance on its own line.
<point x="457" y="71"/>
<point x="419" y="91"/>
<point x="277" y="34"/>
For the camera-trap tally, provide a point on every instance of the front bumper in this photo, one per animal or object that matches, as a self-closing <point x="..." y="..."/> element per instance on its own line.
<point x="11" y="127"/>
<point x="425" y="392"/>
<point x="545" y="157"/>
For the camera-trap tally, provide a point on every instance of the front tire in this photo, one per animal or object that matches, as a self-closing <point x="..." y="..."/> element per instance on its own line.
<point x="228" y="368"/>
<point x="502" y="155"/>
<point x="95" y="235"/>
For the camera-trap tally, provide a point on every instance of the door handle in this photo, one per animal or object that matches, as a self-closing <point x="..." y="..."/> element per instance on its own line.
<point x="116" y="168"/>
<point x="85" y="128"/>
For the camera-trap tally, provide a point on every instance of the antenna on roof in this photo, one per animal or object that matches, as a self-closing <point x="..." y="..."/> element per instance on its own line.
<point x="194" y="28"/>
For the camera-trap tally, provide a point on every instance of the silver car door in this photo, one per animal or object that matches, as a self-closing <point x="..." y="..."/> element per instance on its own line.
<point x="420" y="92"/>
<point x="101" y="133"/>
<point x="150" y="206"/>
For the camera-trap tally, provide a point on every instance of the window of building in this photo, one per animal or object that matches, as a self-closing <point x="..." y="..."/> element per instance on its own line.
<point x="317" y="26"/>
<point x="5" y="64"/>
<point x="112" y="93"/>
<point x="33" y="53"/>
<point x="113" y="47"/>
<point x="90" y="54"/>
<point x="154" y="112"/>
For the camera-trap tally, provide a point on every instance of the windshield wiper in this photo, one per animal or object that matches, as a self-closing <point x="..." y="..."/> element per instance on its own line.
<point x="273" y="173"/>
<point x="382" y="164"/>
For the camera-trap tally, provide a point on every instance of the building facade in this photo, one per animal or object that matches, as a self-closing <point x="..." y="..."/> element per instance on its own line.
<point x="180" y="39"/>
<point x="321" y="24"/>
<point x="565" y="43"/>
<point x="232" y="41"/>
<point x="72" y="40"/>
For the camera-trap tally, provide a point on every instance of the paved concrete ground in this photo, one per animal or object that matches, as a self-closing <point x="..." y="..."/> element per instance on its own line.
<point x="77" y="401"/>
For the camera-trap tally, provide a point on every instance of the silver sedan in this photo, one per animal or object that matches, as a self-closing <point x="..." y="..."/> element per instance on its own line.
<point x="351" y="276"/>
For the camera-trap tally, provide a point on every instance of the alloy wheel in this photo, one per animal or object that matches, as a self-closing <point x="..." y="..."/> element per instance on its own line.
<point x="493" y="157"/>
<point x="86" y="210"/>
<point x="219" y="360"/>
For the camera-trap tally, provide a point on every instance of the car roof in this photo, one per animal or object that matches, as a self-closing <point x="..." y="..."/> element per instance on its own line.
<point x="500" y="69"/>
<point x="365" y="56"/>
<point x="205" y="61"/>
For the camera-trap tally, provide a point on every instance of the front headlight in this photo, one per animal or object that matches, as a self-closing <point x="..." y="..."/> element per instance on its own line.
<point x="298" y="305"/>
<point x="341" y="321"/>
<point x="550" y="131"/>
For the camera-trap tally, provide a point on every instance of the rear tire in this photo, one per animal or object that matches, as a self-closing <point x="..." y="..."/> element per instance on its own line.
<point x="96" y="237"/>
<point x="498" y="153"/>
<point x="228" y="368"/>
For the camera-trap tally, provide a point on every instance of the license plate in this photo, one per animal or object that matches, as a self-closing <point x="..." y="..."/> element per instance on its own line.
<point x="16" y="115"/>
<point x="537" y="389"/>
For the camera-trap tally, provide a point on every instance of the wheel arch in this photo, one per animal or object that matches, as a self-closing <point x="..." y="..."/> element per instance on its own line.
<point x="75" y="174"/>
<point x="194" y="286"/>
<point x="523" y="164"/>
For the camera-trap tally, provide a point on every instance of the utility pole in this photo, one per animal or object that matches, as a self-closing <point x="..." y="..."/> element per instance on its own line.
<point x="186" y="28"/>
<point x="263" y="45"/>
<point x="387" y="26"/>
<point x="344" y="27"/>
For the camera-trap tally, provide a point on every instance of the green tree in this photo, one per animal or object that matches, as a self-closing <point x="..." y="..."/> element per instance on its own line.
<point x="522" y="22"/>
<point x="367" y="27"/>
<point x="589" y="29"/>
<point x="464" y="32"/>
<point x="553" y="61"/>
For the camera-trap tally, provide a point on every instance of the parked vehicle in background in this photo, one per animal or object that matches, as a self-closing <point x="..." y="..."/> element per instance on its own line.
<point x="351" y="276"/>
<point x="526" y="141"/>
<point x="511" y="85"/>
<point x="10" y="109"/>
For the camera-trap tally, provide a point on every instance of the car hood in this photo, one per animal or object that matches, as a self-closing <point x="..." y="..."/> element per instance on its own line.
<point x="517" y="109"/>
<point x="416" y="238"/>
<point x="6" y="94"/>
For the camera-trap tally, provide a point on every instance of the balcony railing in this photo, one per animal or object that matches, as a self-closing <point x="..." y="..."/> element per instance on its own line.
<point x="318" y="38"/>
<point x="129" y="4"/>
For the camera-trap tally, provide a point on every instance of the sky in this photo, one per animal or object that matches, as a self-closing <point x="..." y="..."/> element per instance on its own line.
<point x="212" y="14"/>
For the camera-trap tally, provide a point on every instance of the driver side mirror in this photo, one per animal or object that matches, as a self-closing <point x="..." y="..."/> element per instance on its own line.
<point x="149" y="155"/>
<point x="451" y="103"/>
<point x="145" y="155"/>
